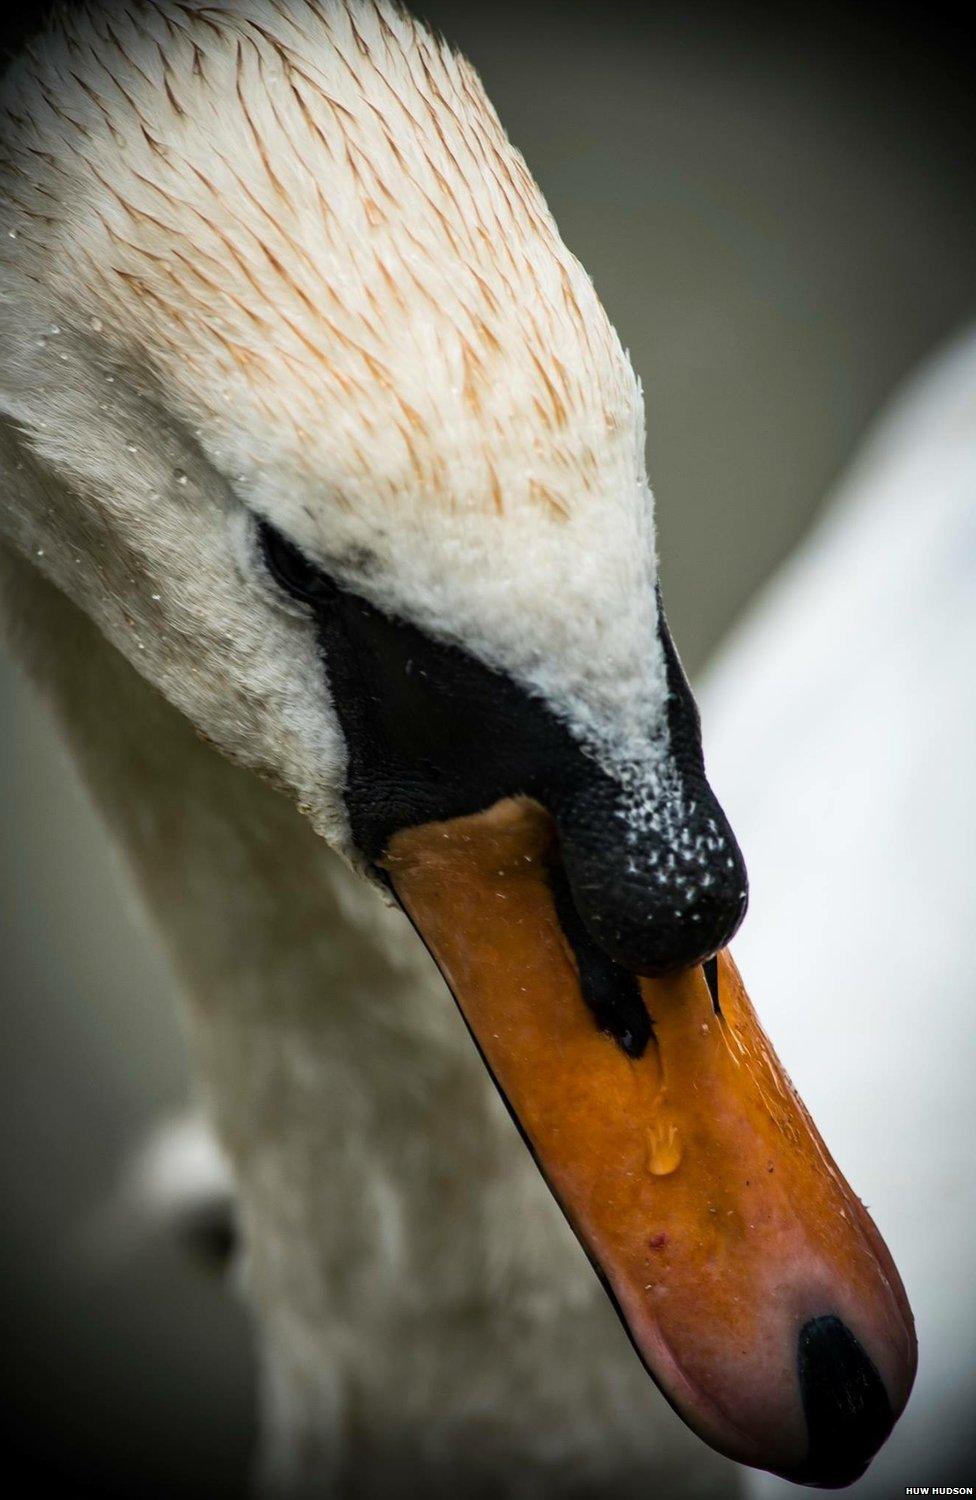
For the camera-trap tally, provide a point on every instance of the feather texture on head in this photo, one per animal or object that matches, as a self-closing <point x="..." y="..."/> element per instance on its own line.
<point x="297" y="229"/>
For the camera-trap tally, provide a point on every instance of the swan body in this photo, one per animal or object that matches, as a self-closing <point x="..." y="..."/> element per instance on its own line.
<point x="841" y="717"/>
<point x="320" y="453"/>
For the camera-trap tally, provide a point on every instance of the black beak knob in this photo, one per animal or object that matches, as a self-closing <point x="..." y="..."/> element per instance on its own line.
<point x="847" y="1409"/>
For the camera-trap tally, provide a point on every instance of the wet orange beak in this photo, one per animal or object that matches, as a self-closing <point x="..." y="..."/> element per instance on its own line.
<point x="752" y="1281"/>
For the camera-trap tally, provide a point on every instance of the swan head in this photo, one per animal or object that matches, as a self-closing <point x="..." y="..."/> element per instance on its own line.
<point x="315" y="414"/>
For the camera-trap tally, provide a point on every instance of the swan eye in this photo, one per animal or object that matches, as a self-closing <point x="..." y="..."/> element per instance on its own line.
<point x="290" y="568"/>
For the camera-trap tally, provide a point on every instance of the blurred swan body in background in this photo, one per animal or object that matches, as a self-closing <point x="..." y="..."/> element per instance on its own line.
<point x="841" y="724"/>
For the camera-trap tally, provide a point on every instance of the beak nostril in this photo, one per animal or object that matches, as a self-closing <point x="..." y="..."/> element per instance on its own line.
<point x="845" y="1403"/>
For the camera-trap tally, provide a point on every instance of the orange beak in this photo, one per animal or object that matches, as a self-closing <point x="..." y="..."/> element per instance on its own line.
<point x="752" y="1281"/>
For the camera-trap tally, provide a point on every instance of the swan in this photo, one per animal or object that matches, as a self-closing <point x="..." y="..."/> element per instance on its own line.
<point x="842" y="715"/>
<point x="328" y="539"/>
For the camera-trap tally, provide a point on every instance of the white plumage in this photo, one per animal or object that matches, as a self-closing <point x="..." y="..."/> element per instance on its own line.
<point x="297" y="240"/>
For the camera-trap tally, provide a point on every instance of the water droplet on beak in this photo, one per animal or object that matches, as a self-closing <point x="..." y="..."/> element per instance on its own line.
<point x="663" y="1148"/>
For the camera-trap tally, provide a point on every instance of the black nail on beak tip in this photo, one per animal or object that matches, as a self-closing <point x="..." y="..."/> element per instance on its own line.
<point x="846" y="1405"/>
